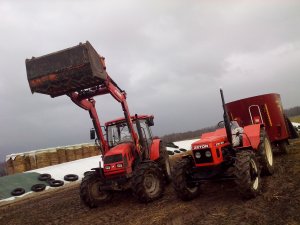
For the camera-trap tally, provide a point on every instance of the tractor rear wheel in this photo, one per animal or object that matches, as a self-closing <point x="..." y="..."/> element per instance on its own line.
<point x="266" y="155"/>
<point x="164" y="163"/>
<point x="184" y="188"/>
<point x="147" y="182"/>
<point x="90" y="192"/>
<point x="247" y="174"/>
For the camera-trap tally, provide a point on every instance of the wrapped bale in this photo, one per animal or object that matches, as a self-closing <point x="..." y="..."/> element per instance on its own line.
<point x="61" y="153"/>
<point x="42" y="159"/>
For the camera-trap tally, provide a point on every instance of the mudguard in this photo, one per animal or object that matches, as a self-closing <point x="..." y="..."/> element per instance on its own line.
<point x="251" y="136"/>
<point x="154" y="151"/>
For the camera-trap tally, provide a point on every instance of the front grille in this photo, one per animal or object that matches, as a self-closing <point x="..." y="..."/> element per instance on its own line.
<point x="203" y="158"/>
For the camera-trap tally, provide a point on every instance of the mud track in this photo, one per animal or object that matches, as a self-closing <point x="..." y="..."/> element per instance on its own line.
<point x="219" y="203"/>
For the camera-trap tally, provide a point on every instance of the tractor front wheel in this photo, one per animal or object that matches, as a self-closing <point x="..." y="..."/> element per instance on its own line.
<point x="247" y="174"/>
<point x="147" y="182"/>
<point x="90" y="192"/>
<point x="184" y="188"/>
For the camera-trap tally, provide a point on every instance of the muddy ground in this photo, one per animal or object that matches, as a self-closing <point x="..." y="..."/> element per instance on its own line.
<point x="219" y="203"/>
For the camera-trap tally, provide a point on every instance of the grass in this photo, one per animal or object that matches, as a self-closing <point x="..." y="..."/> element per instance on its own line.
<point x="295" y="119"/>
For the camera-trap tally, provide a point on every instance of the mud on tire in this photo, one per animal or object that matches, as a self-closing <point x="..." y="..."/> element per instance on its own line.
<point x="283" y="148"/>
<point x="247" y="174"/>
<point x="147" y="182"/>
<point x="184" y="188"/>
<point x="266" y="154"/>
<point x="164" y="163"/>
<point x="90" y="193"/>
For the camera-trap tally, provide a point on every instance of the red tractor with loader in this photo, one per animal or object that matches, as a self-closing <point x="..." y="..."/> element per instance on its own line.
<point x="231" y="152"/>
<point x="132" y="158"/>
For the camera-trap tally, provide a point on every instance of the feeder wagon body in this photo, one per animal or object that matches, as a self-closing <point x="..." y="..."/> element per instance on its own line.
<point x="266" y="109"/>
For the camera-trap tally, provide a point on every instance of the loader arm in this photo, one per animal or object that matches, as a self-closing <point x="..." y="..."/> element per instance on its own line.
<point x="80" y="73"/>
<point x="86" y="101"/>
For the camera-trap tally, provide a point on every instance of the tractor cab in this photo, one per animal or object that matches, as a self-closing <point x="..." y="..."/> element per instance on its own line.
<point x="122" y="155"/>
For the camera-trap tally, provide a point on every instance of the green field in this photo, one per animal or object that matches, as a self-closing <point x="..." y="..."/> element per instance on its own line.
<point x="295" y="119"/>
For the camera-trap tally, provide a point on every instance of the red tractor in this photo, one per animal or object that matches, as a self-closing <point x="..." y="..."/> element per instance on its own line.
<point x="229" y="153"/>
<point x="132" y="158"/>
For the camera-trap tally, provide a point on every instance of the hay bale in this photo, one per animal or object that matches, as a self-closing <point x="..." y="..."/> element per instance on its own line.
<point x="78" y="152"/>
<point x="32" y="161"/>
<point x="61" y="153"/>
<point x="70" y="154"/>
<point x="19" y="164"/>
<point x="27" y="162"/>
<point x="9" y="166"/>
<point x="42" y="159"/>
<point x="85" y="151"/>
<point x="53" y="157"/>
<point x="94" y="150"/>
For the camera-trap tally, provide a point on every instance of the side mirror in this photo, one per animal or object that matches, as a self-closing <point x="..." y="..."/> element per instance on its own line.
<point x="92" y="134"/>
<point x="150" y="121"/>
<point x="221" y="124"/>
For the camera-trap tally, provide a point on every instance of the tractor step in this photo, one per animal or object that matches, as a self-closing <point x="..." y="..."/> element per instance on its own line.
<point x="72" y="69"/>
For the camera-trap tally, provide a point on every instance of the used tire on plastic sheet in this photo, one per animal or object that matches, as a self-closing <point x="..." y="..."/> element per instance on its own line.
<point x="56" y="183"/>
<point x="70" y="177"/>
<point x="176" y="151"/>
<point x="38" y="187"/>
<point x="44" y="177"/>
<point x="17" y="191"/>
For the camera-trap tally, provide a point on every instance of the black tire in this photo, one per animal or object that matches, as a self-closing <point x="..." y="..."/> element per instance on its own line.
<point x="56" y="183"/>
<point x="44" y="177"/>
<point x="176" y="151"/>
<point x="183" y="149"/>
<point x="70" y="177"/>
<point x="87" y="172"/>
<point x="17" y="191"/>
<point x="147" y="182"/>
<point x="266" y="158"/>
<point x="283" y="148"/>
<point x="247" y="174"/>
<point x="164" y="163"/>
<point x="90" y="193"/>
<point x="184" y="188"/>
<point x="170" y="152"/>
<point x="38" y="187"/>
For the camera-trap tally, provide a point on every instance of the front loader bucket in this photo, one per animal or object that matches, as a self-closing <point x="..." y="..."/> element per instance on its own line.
<point x="73" y="69"/>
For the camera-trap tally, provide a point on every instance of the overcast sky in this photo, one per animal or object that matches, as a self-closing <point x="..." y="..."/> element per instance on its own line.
<point x="171" y="57"/>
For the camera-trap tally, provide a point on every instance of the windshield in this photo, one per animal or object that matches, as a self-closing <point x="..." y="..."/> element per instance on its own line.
<point x="119" y="132"/>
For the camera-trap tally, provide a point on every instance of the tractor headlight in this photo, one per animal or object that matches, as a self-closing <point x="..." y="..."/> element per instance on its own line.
<point x="198" y="155"/>
<point x="208" y="154"/>
<point x="107" y="167"/>
<point x="119" y="165"/>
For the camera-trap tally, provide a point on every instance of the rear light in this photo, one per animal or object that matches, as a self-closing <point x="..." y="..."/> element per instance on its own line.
<point x="107" y="167"/>
<point x="119" y="165"/>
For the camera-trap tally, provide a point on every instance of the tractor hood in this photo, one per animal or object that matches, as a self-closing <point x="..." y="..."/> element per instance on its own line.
<point x="120" y="149"/>
<point x="217" y="137"/>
